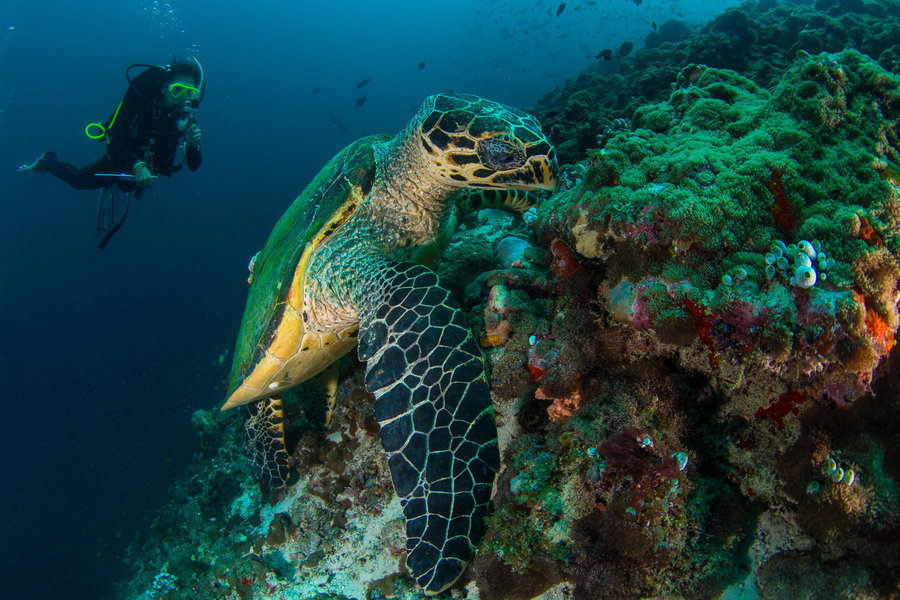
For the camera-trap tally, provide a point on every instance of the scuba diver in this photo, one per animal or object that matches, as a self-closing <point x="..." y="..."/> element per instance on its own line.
<point x="154" y="120"/>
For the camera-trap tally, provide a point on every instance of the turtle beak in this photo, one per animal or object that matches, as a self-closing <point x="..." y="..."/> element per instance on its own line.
<point x="538" y="173"/>
<point x="242" y="395"/>
<point x="546" y="172"/>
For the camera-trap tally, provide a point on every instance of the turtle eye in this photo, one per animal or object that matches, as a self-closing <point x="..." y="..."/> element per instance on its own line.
<point x="501" y="154"/>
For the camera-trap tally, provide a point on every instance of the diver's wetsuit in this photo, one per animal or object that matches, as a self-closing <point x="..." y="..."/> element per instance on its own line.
<point x="143" y="130"/>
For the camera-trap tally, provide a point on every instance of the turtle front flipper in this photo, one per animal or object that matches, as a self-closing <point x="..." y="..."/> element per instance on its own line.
<point x="434" y="408"/>
<point x="265" y="433"/>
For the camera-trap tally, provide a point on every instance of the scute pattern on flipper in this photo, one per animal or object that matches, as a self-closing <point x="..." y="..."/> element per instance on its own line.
<point x="265" y="441"/>
<point x="437" y="422"/>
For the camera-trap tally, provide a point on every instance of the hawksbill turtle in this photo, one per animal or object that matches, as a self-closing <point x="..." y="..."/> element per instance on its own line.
<point x="342" y="269"/>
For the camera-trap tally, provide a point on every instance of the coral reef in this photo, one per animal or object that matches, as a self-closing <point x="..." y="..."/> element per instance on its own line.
<point x="742" y="237"/>
<point x="690" y="350"/>
<point x="689" y="214"/>
<point x="758" y="39"/>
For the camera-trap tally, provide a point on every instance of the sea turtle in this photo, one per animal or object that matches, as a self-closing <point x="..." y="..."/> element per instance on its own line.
<point x="340" y="270"/>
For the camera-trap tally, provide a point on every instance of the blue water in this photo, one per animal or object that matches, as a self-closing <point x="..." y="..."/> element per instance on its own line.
<point x="105" y="354"/>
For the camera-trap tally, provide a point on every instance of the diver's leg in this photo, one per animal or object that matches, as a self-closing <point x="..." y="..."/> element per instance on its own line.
<point x="80" y="179"/>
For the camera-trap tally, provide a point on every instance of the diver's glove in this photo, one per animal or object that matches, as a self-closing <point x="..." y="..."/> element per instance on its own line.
<point x="192" y="135"/>
<point x="142" y="176"/>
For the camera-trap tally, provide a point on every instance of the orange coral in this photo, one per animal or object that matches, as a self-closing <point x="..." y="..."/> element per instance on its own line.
<point x="868" y="233"/>
<point x="491" y="341"/>
<point x="562" y="409"/>
<point x="878" y="328"/>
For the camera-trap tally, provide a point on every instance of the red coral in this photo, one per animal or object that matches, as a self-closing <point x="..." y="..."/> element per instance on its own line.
<point x="541" y="356"/>
<point x="536" y="372"/>
<point x="780" y="407"/>
<point x="635" y="468"/>
<point x="781" y="207"/>
<point x="704" y="326"/>
<point x="565" y="262"/>
<point x="624" y="455"/>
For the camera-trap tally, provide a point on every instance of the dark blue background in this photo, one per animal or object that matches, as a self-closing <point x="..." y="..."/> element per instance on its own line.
<point x="105" y="354"/>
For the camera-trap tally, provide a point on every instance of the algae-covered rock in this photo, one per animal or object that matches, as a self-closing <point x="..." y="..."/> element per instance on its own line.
<point x="704" y="218"/>
<point x="747" y="235"/>
<point x="758" y="39"/>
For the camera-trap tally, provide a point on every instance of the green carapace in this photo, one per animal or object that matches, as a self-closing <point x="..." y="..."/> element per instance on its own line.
<point x="343" y="269"/>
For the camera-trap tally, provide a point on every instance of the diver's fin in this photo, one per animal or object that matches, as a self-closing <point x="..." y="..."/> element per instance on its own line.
<point x="265" y="433"/>
<point x="34" y="165"/>
<point x="111" y="213"/>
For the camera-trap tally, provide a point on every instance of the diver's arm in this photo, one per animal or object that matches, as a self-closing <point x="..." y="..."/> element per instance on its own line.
<point x="192" y="155"/>
<point x="142" y="176"/>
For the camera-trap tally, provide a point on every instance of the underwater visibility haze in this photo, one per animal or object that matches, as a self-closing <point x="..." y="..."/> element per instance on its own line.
<point x="688" y="340"/>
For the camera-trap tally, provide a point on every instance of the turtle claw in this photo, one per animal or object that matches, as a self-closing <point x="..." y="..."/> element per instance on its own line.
<point x="265" y="433"/>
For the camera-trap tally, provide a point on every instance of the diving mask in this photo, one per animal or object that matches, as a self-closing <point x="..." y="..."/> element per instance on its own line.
<point x="179" y="90"/>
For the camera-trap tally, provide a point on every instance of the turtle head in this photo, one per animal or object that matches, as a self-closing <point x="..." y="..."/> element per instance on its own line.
<point x="472" y="142"/>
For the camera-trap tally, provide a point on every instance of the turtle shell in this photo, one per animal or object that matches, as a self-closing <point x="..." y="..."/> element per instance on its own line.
<point x="326" y="202"/>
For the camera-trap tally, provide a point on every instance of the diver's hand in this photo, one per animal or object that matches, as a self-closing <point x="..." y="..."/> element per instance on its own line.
<point x="142" y="176"/>
<point x="192" y="135"/>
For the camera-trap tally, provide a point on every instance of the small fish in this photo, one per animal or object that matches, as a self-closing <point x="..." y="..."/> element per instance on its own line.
<point x="625" y="49"/>
<point x="364" y="82"/>
<point x="604" y="55"/>
<point x="421" y="65"/>
<point x="360" y="101"/>
<point x="315" y="90"/>
<point x="561" y="8"/>
<point x="654" y="25"/>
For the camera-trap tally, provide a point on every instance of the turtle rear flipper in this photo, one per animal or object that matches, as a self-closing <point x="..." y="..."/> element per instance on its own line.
<point x="265" y="433"/>
<point x="434" y="408"/>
